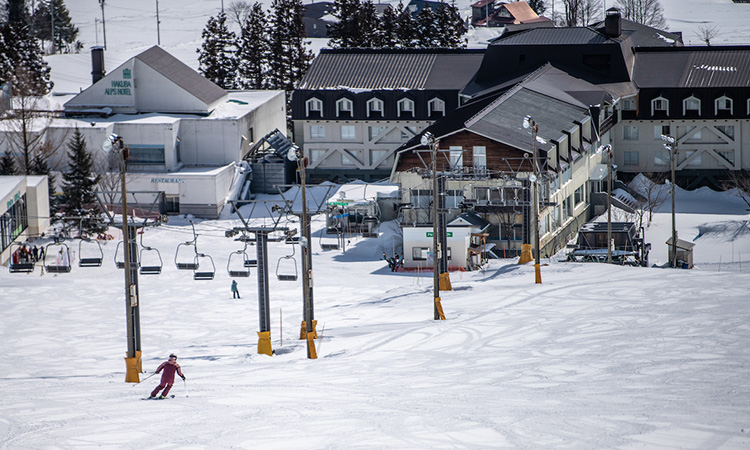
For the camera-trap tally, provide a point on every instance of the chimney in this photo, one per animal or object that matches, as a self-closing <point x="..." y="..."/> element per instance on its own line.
<point x="97" y="64"/>
<point x="613" y="23"/>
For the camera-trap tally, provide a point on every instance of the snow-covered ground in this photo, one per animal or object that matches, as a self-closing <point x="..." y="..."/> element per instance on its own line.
<point x="131" y="28"/>
<point x="597" y="356"/>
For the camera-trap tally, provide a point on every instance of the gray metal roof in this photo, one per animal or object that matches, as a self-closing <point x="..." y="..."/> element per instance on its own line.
<point x="182" y="75"/>
<point x="392" y="69"/>
<point x="695" y="67"/>
<point x="644" y="36"/>
<point x="554" y="36"/>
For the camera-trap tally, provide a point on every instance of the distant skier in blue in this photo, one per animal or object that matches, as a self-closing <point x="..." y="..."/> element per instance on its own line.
<point x="167" y="378"/>
<point x="235" y="291"/>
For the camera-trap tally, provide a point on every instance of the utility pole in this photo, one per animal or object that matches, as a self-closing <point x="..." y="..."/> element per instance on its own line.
<point x="528" y="122"/>
<point x="428" y="139"/>
<point x="607" y="151"/>
<point x="52" y="21"/>
<point x="307" y="292"/>
<point x="104" y="25"/>
<point x="670" y="143"/>
<point x="158" y="32"/>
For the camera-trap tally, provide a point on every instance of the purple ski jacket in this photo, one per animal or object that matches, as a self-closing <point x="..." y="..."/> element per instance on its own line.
<point x="169" y="369"/>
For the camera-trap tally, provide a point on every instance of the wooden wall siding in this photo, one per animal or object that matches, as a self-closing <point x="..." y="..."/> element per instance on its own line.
<point x="497" y="154"/>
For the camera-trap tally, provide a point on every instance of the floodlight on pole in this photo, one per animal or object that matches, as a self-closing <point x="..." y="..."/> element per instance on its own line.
<point x="607" y="151"/>
<point x="529" y="123"/>
<point x="670" y="143"/>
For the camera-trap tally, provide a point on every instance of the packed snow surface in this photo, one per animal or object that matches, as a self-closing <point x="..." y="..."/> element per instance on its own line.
<point x="597" y="356"/>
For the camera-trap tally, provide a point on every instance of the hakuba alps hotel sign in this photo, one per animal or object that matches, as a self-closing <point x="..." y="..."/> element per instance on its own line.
<point x="121" y="86"/>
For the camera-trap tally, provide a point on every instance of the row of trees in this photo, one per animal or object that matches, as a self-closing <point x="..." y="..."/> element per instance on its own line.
<point x="584" y="12"/>
<point x="269" y="53"/>
<point x="359" y="25"/>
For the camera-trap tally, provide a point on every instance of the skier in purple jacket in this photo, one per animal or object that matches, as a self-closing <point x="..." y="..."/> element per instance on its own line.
<point x="167" y="378"/>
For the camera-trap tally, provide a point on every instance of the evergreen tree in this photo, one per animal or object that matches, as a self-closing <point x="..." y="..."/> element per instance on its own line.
<point x="368" y="24"/>
<point x="217" y="55"/>
<point x="289" y="58"/>
<point x="65" y="32"/>
<point x="79" y="183"/>
<point x="406" y="30"/>
<point x="8" y="164"/>
<point x="254" y="49"/>
<point x="38" y="166"/>
<point x="537" y="5"/>
<point x="450" y="27"/>
<point x="428" y="34"/>
<point x="387" y="35"/>
<point x="29" y="72"/>
<point x="344" y="33"/>
<point x="17" y="12"/>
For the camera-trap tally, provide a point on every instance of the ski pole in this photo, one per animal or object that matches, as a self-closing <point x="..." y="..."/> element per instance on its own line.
<point x="185" y="384"/>
<point x="136" y="384"/>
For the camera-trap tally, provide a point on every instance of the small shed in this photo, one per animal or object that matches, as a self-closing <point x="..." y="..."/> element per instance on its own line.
<point x="684" y="253"/>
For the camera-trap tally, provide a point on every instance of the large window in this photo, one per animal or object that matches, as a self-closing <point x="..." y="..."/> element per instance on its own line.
<point x="695" y="158"/>
<point x="630" y="158"/>
<point x="348" y="132"/>
<point x="728" y="130"/>
<point x="479" y="157"/>
<point x="13" y="222"/>
<point x="420" y="253"/>
<point x="317" y="156"/>
<point x="374" y="131"/>
<point x="694" y="134"/>
<point x="630" y="132"/>
<point x="349" y="158"/>
<point x="146" y="154"/>
<point x="661" y="158"/>
<point x="456" y="158"/>
<point x="727" y="155"/>
<point x="578" y="196"/>
<point x="378" y="157"/>
<point x="659" y="130"/>
<point x="317" y="131"/>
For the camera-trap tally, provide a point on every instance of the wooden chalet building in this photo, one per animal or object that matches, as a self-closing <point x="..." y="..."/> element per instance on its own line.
<point x="355" y="107"/>
<point x="490" y="13"/>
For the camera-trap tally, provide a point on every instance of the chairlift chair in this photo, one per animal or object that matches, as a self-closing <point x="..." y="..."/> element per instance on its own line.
<point x="19" y="267"/>
<point x="328" y="245"/>
<point x="58" y="262"/>
<point x="150" y="268"/>
<point x="204" y="275"/>
<point x="88" y="255"/>
<point x="237" y="269"/>
<point x="120" y="263"/>
<point x="287" y="276"/>
<point x="183" y="263"/>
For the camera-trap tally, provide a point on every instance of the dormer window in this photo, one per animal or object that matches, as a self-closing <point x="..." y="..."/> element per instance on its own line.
<point x="405" y="107"/>
<point x="436" y="106"/>
<point x="660" y="104"/>
<point x="375" y="107"/>
<point x="344" y="107"/>
<point x="691" y="104"/>
<point x="723" y="104"/>
<point x="314" y="105"/>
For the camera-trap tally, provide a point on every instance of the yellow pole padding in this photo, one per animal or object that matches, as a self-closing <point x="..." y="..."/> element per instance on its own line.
<point x="264" y="343"/>
<point x="131" y="373"/>
<point x="140" y="361"/>
<point x="311" y="346"/>
<point x="444" y="282"/>
<point x="537" y="274"/>
<point x="303" y="330"/>
<point x="526" y="255"/>
<point x="439" y="308"/>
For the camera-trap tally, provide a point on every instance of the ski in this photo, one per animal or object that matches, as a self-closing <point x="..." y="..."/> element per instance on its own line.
<point x="158" y="398"/>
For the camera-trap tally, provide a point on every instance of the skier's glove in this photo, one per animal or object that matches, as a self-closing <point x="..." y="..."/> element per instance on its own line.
<point x="183" y="377"/>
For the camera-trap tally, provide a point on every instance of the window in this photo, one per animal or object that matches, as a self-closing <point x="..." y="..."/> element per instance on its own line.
<point x="171" y="204"/>
<point x="659" y="130"/>
<point x="314" y="105"/>
<point x="578" y="196"/>
<point x="691" y="104"/>
<point x="374" y="107"/>
<point x="695" y="158"/>
<point x="348" y="132"/>
<point x="692" y="134"/>
<point x="13" y="222"/>
<point x="661" y="158"/>
<point x="349" y="158"/>
<point x="659" y="104"/>
<point x="728" y="130"/>
<point x="406" y="107"/>
<point x="146" y="154"/>
<point x="630" y="132"/>
<point x="728" y="155"/>
<point x="344" y="107"/>
<point x="479" y="156"/>
<point x="317" y="131"/>
<point x="409" y="133"/>
<point x="456" y="158"/>
<point x="630" y="158"/>
<point x="629" y="104"/>
<point x="723" y="104"/>
<point x="420" y="253"/>
<point x="375" y="131"/>
<point x="436" y="106"/>
<point x="378" y="157"/>
<point x="317" y="155"/>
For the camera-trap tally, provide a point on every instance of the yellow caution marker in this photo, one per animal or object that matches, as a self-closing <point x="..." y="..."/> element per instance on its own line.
<point x="131" y="366"/>
<point x="444" y="282"/>
<point x="303" y="330"/>
<point x="526" y="255"/>
<point x="264" y="343"/>
<point x="439" y="308"/>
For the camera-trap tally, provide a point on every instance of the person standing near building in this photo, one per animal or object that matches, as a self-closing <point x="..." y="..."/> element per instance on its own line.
<point x="235" y="291"/>
<point x="167" y="378"/>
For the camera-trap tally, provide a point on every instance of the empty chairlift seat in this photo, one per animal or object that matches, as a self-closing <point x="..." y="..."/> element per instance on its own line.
<point x="204" y="274"/>
<point x="90" y="253"/>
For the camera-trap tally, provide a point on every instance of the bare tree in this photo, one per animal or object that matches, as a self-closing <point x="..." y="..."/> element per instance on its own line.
<point x="706" y="33"/>
<point x="739" y="180"/>
<point x="238" y="11"/>
<point x="651" y="186"/>
<point x="580" y="12"/>
<point x="646" y="12"/>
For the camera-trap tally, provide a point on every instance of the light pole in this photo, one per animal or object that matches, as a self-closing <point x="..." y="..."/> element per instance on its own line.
<point x="528" y="122"/>
<point x="429" y="139"/>
<point x="607" y="150"/>
<point x="670" y="143"/>
<point x="115" y="144"/>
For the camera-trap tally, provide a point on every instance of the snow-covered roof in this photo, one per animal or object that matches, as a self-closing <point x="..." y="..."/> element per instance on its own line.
<point x="360" y="192"/>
